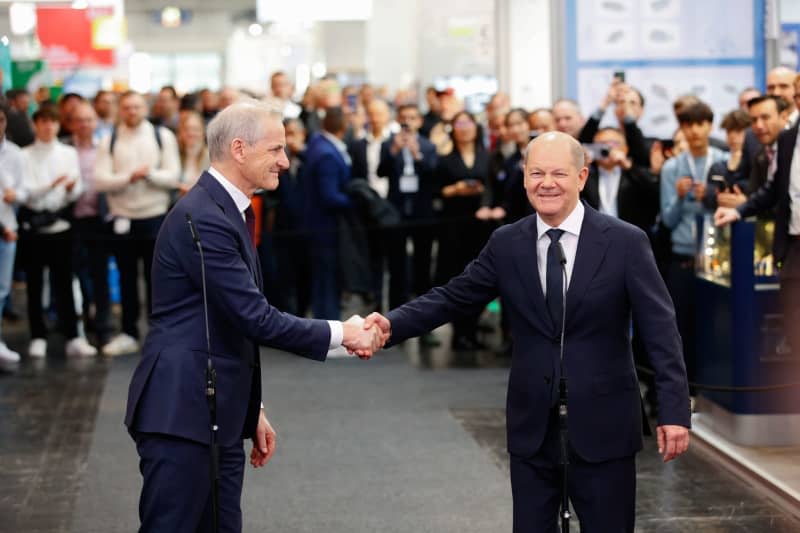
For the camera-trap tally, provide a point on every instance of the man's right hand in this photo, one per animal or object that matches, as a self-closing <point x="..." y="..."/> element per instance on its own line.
<point x="683" y="186"/>
<point x="362" y="341"/>
<point x="9" y="196"/>
<point x="383" y="324"/>
<point x="725" y="215"/>
<point x="140" y="173"/>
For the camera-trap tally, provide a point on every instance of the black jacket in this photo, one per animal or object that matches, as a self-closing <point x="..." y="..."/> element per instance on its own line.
<point x="775" y="194"/>
<point x="637" y="197"/>
<point x="411" y="205"/>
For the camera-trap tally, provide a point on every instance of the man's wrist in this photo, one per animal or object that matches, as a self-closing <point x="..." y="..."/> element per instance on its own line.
<point x="337" y="334"/>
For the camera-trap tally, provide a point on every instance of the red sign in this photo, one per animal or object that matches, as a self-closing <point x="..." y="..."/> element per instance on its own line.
<point x="66" y="37"/>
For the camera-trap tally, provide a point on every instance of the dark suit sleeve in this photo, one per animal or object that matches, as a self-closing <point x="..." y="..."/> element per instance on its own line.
<point x="328" y="182"/>
<point x="428" y="162"/>
<point x="654" y="315"/>
<point x="231" y="288"/>
<point x="465" y="295"/>
<point x="589" y="130"/>
<point x="637" y="146"/>
<point x="386" y="166"/>
<point x="763" y="199"/>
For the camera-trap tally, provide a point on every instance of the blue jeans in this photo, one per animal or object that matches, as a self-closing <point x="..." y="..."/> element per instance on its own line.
<point x="8" y="251"/>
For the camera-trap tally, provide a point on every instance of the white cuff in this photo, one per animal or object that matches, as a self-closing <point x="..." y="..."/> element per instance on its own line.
<point x="337" y="334"/>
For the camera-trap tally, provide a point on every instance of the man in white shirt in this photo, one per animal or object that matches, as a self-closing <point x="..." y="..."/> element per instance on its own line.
<point x="52" y="182"/>
<point x="138" y="166"/>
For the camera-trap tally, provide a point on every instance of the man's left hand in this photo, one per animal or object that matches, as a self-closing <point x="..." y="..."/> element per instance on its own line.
<point x="263" y="442"/>
<point x="672" y="441"/>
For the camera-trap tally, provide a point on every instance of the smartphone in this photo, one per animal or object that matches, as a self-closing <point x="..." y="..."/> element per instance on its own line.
<point x="667" y="147"/>
<point x="352" y="100"/>
<point x="620" y="75"/>
<point x="720" y="183"/>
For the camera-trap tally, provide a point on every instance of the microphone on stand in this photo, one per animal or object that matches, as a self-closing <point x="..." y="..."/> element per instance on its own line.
<point x="211" y="386"/>
<point x="562" y="397"/>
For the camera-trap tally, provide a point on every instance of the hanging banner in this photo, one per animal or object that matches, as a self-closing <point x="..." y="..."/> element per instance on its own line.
<point x="66" y="35"/>
<point x="5" y="66"/>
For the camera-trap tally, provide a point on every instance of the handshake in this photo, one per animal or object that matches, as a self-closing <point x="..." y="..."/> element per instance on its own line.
<point x="364" y="337"/>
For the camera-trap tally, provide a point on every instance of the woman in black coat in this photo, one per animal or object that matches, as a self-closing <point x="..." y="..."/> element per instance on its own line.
<point x="462" y="176"/>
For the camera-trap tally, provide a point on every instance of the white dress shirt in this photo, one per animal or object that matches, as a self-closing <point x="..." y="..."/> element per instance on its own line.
<point x="379" y="184"/>
<point x="569" y="242"/>
<point x="242" y="203"/>
<point x="608" y="185"/>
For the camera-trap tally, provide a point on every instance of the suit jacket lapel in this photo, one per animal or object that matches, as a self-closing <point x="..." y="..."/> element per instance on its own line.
<point x="226" y="203"/>
<point x="527" y="266"/>
<point x="592" y="246"/>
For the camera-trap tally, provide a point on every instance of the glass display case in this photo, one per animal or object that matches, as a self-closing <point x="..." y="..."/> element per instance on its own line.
<point x="715" y="247"/>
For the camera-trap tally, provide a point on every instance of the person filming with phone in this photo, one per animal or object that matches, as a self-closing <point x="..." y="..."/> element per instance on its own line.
<point x="628" y="107"/>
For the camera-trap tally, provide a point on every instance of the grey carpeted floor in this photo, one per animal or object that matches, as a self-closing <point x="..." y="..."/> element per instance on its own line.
<point x="362" y="447"/>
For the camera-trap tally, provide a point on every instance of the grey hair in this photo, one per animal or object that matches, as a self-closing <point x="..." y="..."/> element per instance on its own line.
<point x="242" y="120"/>
<point x="576" y="150"/>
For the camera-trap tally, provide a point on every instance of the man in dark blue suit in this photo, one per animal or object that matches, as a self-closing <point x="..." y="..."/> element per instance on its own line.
<point x="408" y="160"/>
<point x="611" y="278"/>
<point x="167" y="414"/>
<point x="326" y="172"/>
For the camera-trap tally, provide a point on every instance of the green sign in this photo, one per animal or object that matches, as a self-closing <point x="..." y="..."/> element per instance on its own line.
<point x="25" y="72"/>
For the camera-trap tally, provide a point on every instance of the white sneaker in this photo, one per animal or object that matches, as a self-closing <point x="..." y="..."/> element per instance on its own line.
<point x="7" y="355"/>
<point x="80" y="347"/>
<point x="120" y="344"/>
<point x="37" y="348"/>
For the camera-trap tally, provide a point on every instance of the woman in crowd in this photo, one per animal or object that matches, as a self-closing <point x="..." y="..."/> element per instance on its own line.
<point x="51" y="184"/>
<point x="191" y="138"/>
<point x="463" y="175"/>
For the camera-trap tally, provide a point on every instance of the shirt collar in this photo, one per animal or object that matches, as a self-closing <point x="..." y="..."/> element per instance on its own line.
<point x="337" y="142"/>
<point x="572" y="224"/>
<point x="613" y="173"/>
<point x="385" y="134"/>
<point x="239" y="198"/>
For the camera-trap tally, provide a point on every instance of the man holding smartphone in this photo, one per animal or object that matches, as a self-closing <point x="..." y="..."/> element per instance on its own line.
<point x="683" y="186"/>
<point x="628" y="108"/>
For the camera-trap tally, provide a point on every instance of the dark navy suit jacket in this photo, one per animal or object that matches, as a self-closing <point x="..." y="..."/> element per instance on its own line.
<point x="413" y="205"/>
<point x="166" y="393"/>
<point x="614" y="277"/>
<point x="325" y="174"/>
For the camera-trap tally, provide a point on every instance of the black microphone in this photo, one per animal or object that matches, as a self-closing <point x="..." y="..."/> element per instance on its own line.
<point x="562" y="395"/>
<point x="211" y="385"/>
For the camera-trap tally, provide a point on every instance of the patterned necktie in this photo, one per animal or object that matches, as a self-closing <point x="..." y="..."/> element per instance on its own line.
<point x="250" y="220"/>
<point x="554" y="278"/>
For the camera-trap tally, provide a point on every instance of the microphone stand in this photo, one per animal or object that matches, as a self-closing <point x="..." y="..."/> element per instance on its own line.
<point x="211" y="389"/>
<point x="562" y="402"/>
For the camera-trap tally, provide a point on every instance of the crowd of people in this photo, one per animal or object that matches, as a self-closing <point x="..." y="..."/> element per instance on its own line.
<point x="381" y="192"/>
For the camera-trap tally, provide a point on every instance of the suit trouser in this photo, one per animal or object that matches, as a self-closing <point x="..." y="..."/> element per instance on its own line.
<point x="129" y="249"/>
<point x="680" y="282"/>
<point x="54" y="251"/>
<point x="790" y="294"/>
<point x="602" y="494"/>
<point x="325" y="296"/>
<point x="176" y="489"/>
<point x="91" y="263"/>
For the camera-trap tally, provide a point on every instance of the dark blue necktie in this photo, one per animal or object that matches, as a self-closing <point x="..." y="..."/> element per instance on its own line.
<point x="555" y="279"/>
<point x="250" y="221"/>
